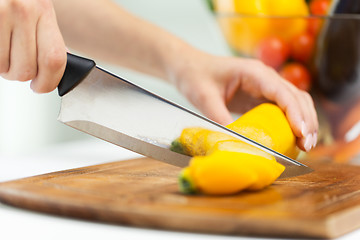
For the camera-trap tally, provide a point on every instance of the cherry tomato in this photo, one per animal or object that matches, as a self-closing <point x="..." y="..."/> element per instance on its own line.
<point x="319" y="7"/>
<point x="302" y="47"/>
<point x="314" y="25"/>
<point x="273" y="51"/>
<point x="297" y="74"/>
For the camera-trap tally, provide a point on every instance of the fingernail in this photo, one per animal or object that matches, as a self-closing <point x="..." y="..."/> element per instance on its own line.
<point x="315" y="136"/>
<point x="303" y="129"/>
<point x="308" y="142"/>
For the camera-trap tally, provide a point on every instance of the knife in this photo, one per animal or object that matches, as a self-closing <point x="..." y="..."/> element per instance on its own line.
<point x="116" y="110"/>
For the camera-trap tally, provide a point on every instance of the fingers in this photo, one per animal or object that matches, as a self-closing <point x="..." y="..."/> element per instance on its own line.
<point x="31" y="45"/>
<point x="213" y="106"/>
<point x="5" y="36"/>
<point x="296" y="104"/>
<point x="310" y="140"/>
<point x="51" y="57"/>
<point x="208" y="99"/>
<point x="22" y="57"/>
<point x="308" y="128"/>
<point x="299" y="110"/>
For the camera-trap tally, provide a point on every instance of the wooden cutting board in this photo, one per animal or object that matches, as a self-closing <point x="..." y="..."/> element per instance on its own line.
<point x="144" y="193"/>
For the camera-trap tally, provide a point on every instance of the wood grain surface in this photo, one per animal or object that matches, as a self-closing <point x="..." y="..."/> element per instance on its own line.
<point x="144" y="193"/>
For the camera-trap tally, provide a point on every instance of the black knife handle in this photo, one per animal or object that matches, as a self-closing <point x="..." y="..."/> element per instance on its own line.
<point x="77" y="68"/>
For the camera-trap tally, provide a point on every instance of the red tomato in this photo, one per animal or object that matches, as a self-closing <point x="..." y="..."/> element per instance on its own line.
<point x="319" y="7"/>
<point x="273" y="51"/>
<point x="302" y="47"/>
<point x="314" y="25"/>
<point x="297" y="74"/>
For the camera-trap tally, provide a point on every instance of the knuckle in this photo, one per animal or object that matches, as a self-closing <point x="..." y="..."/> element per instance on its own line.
<point x="302" y="93"/>
<point x="272" y="71"/>
<point x="55" y="60"/>
<point x="45" y="4"/>
<point x="259" y="64"/>
<point x="200" y="97"/>
<point x="3" y="10"/>
<point x="255" y="62"/>
<point x="309" y="97"/>
<point x="25" y="8"/>
<point x="22" y="8"/>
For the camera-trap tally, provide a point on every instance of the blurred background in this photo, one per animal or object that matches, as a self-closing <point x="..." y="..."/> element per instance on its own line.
<point x="312" y="43"/>
<point x="28" y="121"/>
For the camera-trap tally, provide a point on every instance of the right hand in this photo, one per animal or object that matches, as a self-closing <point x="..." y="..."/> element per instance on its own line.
<point x="216" y="85"/>
<point x="31" y="45"/>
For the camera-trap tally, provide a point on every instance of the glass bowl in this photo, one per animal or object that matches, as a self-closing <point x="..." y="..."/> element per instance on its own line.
<point x="327" y="49"/>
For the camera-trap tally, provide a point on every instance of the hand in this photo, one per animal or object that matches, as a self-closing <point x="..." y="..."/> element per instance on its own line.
<point x="31" y="45"/>
<point x="217" y="84"/>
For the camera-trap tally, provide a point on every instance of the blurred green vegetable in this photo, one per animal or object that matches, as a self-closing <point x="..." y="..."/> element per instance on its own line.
<point x="210" y="5"/>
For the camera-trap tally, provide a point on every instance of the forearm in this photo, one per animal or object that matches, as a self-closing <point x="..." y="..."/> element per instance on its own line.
<point x="105" y="31"/>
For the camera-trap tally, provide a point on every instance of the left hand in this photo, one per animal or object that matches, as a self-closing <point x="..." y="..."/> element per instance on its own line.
<point x="216" y="85"/>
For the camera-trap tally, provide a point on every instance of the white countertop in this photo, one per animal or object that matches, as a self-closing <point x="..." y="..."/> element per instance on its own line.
<point x="24" y="224"/>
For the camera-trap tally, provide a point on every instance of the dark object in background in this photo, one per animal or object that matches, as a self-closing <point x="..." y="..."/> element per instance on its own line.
<point x="347" y="7"/>
<point x="337" y="59"/>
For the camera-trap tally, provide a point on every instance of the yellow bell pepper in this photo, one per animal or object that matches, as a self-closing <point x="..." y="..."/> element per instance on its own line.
<point x="238" y="146"/>
<point x="243" y="32"/>
<point x="290" y="18"/>
<point x="268" y="125"/>
<point x="197" y="141"/>
<point x="224" y="172"/>
<point x="223" y="164"/>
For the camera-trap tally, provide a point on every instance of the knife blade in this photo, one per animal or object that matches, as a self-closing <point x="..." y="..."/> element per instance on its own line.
<point x="116" y="110"/>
